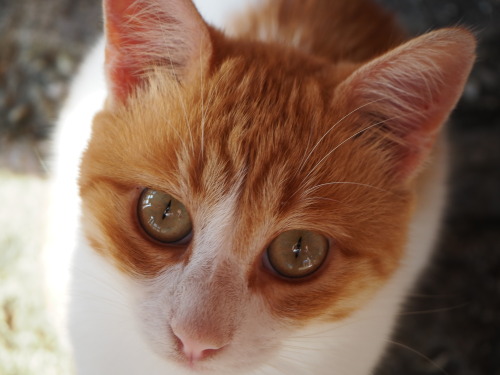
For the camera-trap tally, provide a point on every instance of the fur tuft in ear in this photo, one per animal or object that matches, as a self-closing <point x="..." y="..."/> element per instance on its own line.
<point x="409" y="92"/>
<point x="142" y="35"/>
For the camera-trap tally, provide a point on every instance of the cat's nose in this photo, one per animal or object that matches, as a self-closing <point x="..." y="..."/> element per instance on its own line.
<point x="195" y="349"/>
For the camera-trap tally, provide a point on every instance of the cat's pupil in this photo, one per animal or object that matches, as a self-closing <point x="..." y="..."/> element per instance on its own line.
<point x="163" y="217"/>
<point x="297" y="248"/>
<point x="167" y="210"/>
<point x="297" y="253"/>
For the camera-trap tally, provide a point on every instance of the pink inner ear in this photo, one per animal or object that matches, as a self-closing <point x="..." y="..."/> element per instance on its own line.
<point x="412" y="90"/>
<point x="141" y="34"/>
<point x="122" y="71"/>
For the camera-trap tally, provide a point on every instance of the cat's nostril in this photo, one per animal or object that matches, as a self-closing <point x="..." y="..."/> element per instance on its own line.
<point x="196" y="350"/>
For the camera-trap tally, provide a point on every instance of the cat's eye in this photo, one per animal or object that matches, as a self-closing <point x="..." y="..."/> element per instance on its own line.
<point x="297" y="253"/>
<point x="163" y="217"/>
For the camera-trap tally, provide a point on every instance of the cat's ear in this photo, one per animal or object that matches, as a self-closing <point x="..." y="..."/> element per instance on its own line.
<point x="409" y="92"/>
<point x="142" y="35"/>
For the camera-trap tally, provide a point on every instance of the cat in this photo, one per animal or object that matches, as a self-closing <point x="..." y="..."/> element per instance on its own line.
<point x="253" y="198"/>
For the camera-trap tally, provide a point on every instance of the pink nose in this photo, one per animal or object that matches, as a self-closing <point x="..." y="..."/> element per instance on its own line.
<point x="196" y="350"/>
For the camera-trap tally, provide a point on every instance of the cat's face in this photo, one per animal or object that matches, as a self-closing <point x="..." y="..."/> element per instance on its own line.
<point x="252" y="153"/>
<point x="250" y="190"/>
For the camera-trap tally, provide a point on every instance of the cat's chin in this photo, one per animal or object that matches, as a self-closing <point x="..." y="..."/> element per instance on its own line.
<point x="197" y="367"/>
<point x="210" y="367"/>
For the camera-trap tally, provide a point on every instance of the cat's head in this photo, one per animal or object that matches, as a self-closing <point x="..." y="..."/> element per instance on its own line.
<point x="250" y="189"/>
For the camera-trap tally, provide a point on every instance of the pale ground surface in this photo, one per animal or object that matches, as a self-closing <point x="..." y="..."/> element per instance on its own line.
<point x="28" y="344"/>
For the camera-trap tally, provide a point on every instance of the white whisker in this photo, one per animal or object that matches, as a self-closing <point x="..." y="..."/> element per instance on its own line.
<point x="432" y="311"/>
<point x="164" y="34"/>
<point x="346" y="140"/>
<point x="313" y="198"/>
<point x="202" y="106"/>
<point x="421" y="355"/>
<point x="316" y="187"/>
<point x="304" y="161"/>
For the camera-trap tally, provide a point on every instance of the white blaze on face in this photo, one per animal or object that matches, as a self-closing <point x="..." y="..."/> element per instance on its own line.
<point x="193" y="309"/>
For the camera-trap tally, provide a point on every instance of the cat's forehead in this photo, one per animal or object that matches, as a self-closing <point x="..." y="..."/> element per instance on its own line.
<point x="262" y="126"/>
<point x="266" y="132"/>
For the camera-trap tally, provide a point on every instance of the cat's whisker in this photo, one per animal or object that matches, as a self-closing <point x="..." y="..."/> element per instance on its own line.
<point x="152" y="11"/>
<point x="275" y="368"/>
<point x="103" y="285"/>
<point x="430" y="296"/>
<point x="207" y="102"/>
<point x="292" y="356"/>
<point x="326" y="333"/>
<point x="318" y="198"/>
<point x="93" y="278"/>
<point x="304" y="180"/>
<point x="433" y="311"/>
<point x="321" y="332"/>
<point x="119" y="306"/>
<point x="292" y="363"/>
<point x="316" y="187"/>
<point x="420" y="354"/>
<point x="306" y="193"/>
<point x="304" y="346"/>
<point x="348" y="139"/>
<point x="165" y="34"/>
<point x="117" y="316"/>
<point x="309" y="342"/>
<point x="306" y="159"/>
<point x="202" y="148"/>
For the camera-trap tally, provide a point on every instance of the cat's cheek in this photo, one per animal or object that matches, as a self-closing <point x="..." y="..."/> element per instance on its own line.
<point x="154" y="312"/>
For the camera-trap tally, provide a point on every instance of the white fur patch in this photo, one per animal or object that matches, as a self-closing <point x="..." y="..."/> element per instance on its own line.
<point x="218" y="12"/>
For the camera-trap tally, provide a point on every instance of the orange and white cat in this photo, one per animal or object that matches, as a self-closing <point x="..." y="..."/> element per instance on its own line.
<point x="254" y="201"/>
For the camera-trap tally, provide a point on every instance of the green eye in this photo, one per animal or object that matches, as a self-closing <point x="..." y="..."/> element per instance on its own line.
<point x="163" y="217"/>
<point x="297" y="253"/>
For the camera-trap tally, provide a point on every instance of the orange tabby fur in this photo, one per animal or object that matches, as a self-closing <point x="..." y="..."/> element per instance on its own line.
<point x="254" y="121"/>
<point x="366" y="30"/>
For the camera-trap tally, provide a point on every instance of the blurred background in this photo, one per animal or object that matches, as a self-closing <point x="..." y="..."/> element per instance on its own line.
<point x="450" y="323"/>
